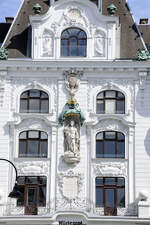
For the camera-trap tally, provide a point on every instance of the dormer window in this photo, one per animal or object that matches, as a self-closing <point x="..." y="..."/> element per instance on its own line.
<point x="73" y="42"/>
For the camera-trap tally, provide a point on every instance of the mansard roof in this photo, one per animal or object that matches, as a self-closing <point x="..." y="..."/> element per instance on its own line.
<point x="145" y="32"/>
<point x="130" y="37"/>
<point x="16" y="40"/>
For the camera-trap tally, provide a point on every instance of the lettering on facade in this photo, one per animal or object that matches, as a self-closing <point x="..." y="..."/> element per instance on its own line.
<point x="62" y="222"/>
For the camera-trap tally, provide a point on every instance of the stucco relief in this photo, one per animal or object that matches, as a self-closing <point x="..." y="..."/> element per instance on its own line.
<point x="47" y="43"/>
<point x="99" y="43"/>
<point x="73" y="16"/>
<point x="111" y="124"/>
<point x="68" y="200"/>
<point x="70" y="174"/>
<point x="110" y="169"/>
<point x="32" y="168"/>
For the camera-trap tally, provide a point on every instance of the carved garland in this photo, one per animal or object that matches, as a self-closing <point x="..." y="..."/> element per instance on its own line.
<point x="32" y="168"/>
<point x="110" y="169"/>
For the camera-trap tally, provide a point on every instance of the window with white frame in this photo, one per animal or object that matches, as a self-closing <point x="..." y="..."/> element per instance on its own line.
<point x="33" y="191"/>
<point x="73" y="42"/>
<point x="110" y="102"/>
<point x="33" y="144"/>
<point x="110" y="194"/>
<point x="110" y="144"/>
<point x="34" y="101"/>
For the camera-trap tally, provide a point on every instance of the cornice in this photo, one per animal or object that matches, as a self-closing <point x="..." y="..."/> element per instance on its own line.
<point x="88" y="65"/>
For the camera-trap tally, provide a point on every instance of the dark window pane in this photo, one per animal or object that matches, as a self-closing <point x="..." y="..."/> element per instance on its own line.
<point x="121" y="197"/>
<point x="42" y="180"/>
<point x="43" y="149"/>
<point x="20" y="201"/>
<point x="33" y="134"/>
<point x="120" y="136"/>
<point x="99" y="149"/>
<point x="120" y="95"/>
<point x="73" y="42"/>
<point x="120" y="181"/>
<point x="42" y="196"/>
<point x="23" y="135"/>
<point x="32" y="148"/>
<point x="34" y="93"/>
<point x="110" y="135"/>
<point x="110" y="149"/>
<point x="65" y="34"/>
<point x="23" y="106"/>
<point x="120" y="148"/>
<point x="21" y="180"/>
<point x="99" y="181"/>
<point x="64" y="48"/>
<point x="110" y="197"/>
<point x="32" y="195"/>
<point x="43" y="136"/>
<point x="110" y="181"/>
<point x="82" y="47"/>
<point x="31" y="180"/>
<point x="34" y="105"/>
<point x="44" y="95"/>
<point x="73" y="47"/>
<point x="73" y="31"/>
<point x="24" y="94"/>
<point x="44" y="106"/>
<point x="99" y="136"/>
<point x="99" y="197"/>
<point x="100" y="107"/>
<point x="82" y="35"/>
<point x="120" y="107"/>
<point x="100" y="95"/>
<point x="22" y="148"/>
<point x="110" y="94"/>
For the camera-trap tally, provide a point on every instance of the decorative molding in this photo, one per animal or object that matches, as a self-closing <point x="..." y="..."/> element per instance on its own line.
<point x="70" y="174"/>
<point x="110" y="169"/>
<point x="111" y="124"/>
<point x="33" y="168"/>
<point x="47" y="43"/>
<point x="142" y="81"/>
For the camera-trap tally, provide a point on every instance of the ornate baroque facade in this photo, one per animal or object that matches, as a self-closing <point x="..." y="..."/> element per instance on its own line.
<point x="74" y="106"/>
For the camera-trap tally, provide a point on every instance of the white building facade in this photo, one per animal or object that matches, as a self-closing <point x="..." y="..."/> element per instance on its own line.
<point x="92" y="171"/>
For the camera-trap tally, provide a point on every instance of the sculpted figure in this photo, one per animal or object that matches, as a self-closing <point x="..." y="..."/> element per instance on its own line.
<point x="99" y="45"/>
<point x="47" y="44"/>
<point x="71" y="139"/>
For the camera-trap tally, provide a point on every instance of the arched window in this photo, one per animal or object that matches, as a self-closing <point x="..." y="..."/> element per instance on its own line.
<point x="33" y="143"/>
<point x="110" y="144"/>
<point x="73" y="42"/>
<point x="110" y="102"/>
<point x="110" y="194"/>
<point x="34" y="101"/>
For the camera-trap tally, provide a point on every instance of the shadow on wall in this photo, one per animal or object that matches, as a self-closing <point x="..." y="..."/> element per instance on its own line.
<point x="147" y="142"/>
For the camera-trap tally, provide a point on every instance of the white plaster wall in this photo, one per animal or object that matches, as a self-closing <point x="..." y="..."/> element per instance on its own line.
<point x="142" y="139"/>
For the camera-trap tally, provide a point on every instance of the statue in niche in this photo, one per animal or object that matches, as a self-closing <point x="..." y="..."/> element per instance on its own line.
<point x="47" y="44"/>
<point x="99" y="44"/>
<point x="71" y="139"/>
<point x="72" y="118"/>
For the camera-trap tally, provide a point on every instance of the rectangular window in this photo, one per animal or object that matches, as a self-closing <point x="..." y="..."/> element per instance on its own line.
<point x="110" y="194"/>
<point x="33" y="190"/>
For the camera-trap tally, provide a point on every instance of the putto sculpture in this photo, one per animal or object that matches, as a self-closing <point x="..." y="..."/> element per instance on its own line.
<point x="72" y="118"/>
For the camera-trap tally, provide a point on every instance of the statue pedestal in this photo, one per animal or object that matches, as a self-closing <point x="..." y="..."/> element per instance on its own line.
<point x="69" y="157"/>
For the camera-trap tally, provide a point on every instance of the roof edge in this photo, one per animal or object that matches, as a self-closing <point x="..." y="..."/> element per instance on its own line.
<point x="13" y="23"/>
